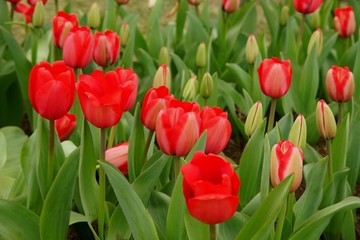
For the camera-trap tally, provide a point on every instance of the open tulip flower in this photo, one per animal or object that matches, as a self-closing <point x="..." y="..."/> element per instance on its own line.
<point x="344" y="21"/>
<point x="52" y="89"/>
<point x="106" y="48"/>
<point x="178" y="127"/>
<point x="62" y="24"/>
<point x="210" y="188"/>
<point x="307" y="6"/>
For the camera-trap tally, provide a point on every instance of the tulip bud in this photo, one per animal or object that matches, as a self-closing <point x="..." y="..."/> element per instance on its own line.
<point x="254" y="118"/>
<point x="297" y="133"/>
<point x="201" y="55"/>
<point x="124" y="34"/>
<point x="38" y="17"/>
<point x="251" y="49"/>
<point x="162" y="77"/>
<point x="94" y="16"/>
<point x="340" y="83"/>
<point x="164" y="57"/>
<point x="284" y="15"/>
<point x="316" y="40"/>
<point x="207" y="86"/>
<point x="307" y="6"/>
<point x="122" y="2"/>
<point x="315" y="19"/>
<point x="190" y="89"/>
<point x="118" y="156"/>
<point x="230" y="6"/>
<point x="344" y="21"/>
<point x="194" y="2"/>
<point x="285" y="160"/>
<point x="325" y="120"/>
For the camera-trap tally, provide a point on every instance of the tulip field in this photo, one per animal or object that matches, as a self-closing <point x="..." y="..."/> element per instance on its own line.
<point x="212" y="119"/>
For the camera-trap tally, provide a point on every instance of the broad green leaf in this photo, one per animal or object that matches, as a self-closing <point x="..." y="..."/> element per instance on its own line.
<point x="356" y="72"/>
<point x="158" y="208"/>
<point x="348" y="224"/>
<point x="155" y="39"/>
<point x="339" y="146"/>
<point x="265" y="175"/>
<point x="118" y="226"/>
<point x="311" y="155"/>
<point x="241" y="78"/>
<point x="55" y="215"/>
<point x="290" y="40"/>
<point x="110" y="16"/>
<point x="195" y="229"/>
<point x="327" y="47"/>
<point x="127" y="57"/>
<point x="4" y="15"/>
<point x="76" y="218"/>
<point x="5" y="186"/>
<point x="353" y="153"/>
<point x="264" y="218"/>
<point x="3" y="151"/>
<point x="230" y="228"/>
<point x="138" y="218"/>
<point x="313" y="227"/>
<point x="17" y="222"/>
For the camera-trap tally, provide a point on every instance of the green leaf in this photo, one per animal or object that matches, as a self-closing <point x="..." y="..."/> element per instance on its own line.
<point x="118" y="226"/>
<point x="356" y="72"/>
<point x="198" y="146"/>
<point x="127" y="57"/>
<point x="180" y="20"/>
<point x="265" y="175"/>
<point x="230" y="228"/>
<point x="155" y="39"/>
<point x="55" y="215"/>
<point x="3" y="151"/>
<point x="110" y="16"/>
<point x="264" y="218"/>
<point x="313" y="227"/>
<point x="339" y="146"/>
<point x="158" y="208"/>
<point x="241" y="77"/>
<point x="17" y="222"/>
<point x="353" y="153"/>
<point x="196" y="229"/>
<point x="138" y="218"/>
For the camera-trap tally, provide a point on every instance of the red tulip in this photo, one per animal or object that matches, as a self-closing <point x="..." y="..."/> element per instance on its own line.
<point x="178" y="127"/>
<point x="27" y="11"/>
<point x="210" y="188"/>
<point x="106" y="48"/>
<point x="65" y="126"/>
<point x="230" y="6"/>
<point x="13" y="1"/>
<point x="155" y="100"/>
<point x="52" y="89"/>
<point x="194" y="2"/>
<point x="218" y="127"/>
<point x="62" y="24"/>
<point x="129" y="81"/>
<point x="307" y="6"/>
<point x="102" y="97"/>
<point x="340" y="84"/>
<point x="78" y="47"/>
<point x="275" y="77"/>
<point x="33" y="2"/>
<point x="285" y="160"/>
<point x="344" y="21"/>
<point x="122" y="2"/>
<point x="118" y="156"/>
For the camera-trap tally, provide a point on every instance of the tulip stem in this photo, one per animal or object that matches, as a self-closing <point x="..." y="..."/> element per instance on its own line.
<point x="101" y="213"/>
<point x="12" y="10"/>
<point x="56" y="6"/>
<point x="212" y="231"/>
<point x="176" y="166"/>
<point x="51" y="152"/>
<point x="271" y="115"/>
<point x="280" y="221"/>
<point x="34" y="48"/>
<point x="147" y="145"/>
<point x="111" y="136"/>
<point x="328" y="150"/>
<point x="340" y="112"/>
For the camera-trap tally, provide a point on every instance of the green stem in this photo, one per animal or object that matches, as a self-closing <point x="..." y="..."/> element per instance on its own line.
<point x="340" y="112"/>
<point x="328" y="150"/>
<point x="197" y="10"/>
<point x="101" y="214"/>
<point x="56" y="6"/>
<point x="147" y="145"/>
<point x="301" y="32"/>
<point x="212" y="231"/>
<point x="50" y="170"/>
<point x="34" y="48"/>
<point x="176" y="166"/>
<point x="271" y="115"/>
<point x="280" y="222"/>
<point x="12" y="10"/>
<point x="111" y="136"/>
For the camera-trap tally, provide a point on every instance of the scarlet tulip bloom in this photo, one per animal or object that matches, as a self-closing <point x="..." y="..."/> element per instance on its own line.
<point x="13" y="1"/>
<point x="218" y="127"/>
<point x="344" y="21"/>
<point x="52" y="89"/>
<point x="155" y="100"/>
<point x="62" y="24"/>
<point x="122" y="2"/>
<point x="178" y="127"/>
<point x="286" y="159"/>
<point x="106" y="48"/>
<point x="129" y="81"/>
<point x="118" y="156"/>
<point x="230" y="6"/>
<point x="210" y="188"/>
<point x="102" y="98"/>
<point x="33" y="2"/>
<point x="65" y="126"/>
<point x="27" y="11"/>
<point x="340" y="83"/>
<point x="275" y="77"/>
<point x="78" y="47"/>
<point x="307" y="6"/>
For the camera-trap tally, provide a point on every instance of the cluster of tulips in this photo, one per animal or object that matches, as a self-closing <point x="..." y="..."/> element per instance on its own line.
<point x="154" y="147"/>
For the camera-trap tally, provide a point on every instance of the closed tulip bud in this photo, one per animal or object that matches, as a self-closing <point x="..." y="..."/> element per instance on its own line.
<point x="325" y="120"/>
<point x="307" y="6"/>
<point x="297" y="133"/>
<point x="118" y="156"/>
<point x="33" y="2"/>
<point x="61" y="26"/>
<point x="162" y="77"/>
<point x="254" y="118"/>
<point x="94" y="16"/>
<point x="230" y="6"/>
<point x="316" y="41"/>
<point x="207" y="86"/>
<point x="190" y="89"/>
<point x="315" y="19"/>
<point x="251" y="49"/>
<point x="340" y="84"/>
<point x="122" y="2"/>
<point x="164" y="57"/>
<point x="284" y="15"/>
<point x="38" y="16"/>
<point x="124" y="34"/>
<point x="275" y="77"/>
<point x="65" y="126"/>
<point x="201" y="55"/>
<point x="106" y="48"/>
<point x="286" y="159"/>
<point x="344" y="21"/>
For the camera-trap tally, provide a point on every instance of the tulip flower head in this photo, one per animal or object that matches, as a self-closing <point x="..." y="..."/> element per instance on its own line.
<point x="325" y="120"/>
<point x="275" y="77"/>
<point x="178" y="127"/>
<point x="340" y="83"/>
<point x="33" y="2"/>
<point x="254" y="118"/>
<point x="230" y="6"/>
<point x="122" y="2"/>
<point x="65" y="126"/>
<point x="344" y="21"/>
<point x="194" y="2"/>
<point x="285" y="160"/>
<point x="128" y="81"/>
<point x="62" y="24"/>
<point x="27" y="11"/>
<point x="307" y="6"/>
<point x="118" y="156"/>
<point x="106" y="48"/>
<point x="52" y="89"/>
<point x="210" y="187"/>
